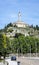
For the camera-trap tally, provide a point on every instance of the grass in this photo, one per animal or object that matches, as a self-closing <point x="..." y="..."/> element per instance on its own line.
<point x="1" y="60"/>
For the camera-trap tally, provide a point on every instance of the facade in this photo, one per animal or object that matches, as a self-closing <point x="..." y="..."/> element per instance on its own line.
<point x="19" y="24"/>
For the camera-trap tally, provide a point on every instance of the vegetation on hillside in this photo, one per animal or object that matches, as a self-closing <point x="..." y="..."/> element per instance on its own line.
<point x="20" y="44"/>
<point x="35" y="27"/>
<point x="4" y="45"/>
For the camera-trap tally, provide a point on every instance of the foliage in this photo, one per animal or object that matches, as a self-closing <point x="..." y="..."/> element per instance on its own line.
<point x="10" y="30"/>
<point x="35" y="27"/>
<point x="9" y="25"/>
<point x="20" y="44"/>
<point x="23" y="44"/>
<point x="18" y="34"/>
<point x="4" y="45"/>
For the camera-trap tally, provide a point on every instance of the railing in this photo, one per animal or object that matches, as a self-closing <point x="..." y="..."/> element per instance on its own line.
<point x="25" y="55"/>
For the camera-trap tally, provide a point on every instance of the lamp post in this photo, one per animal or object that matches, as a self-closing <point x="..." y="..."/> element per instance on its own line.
<point x="18" y="49"/>
<point x="29" y="50"/>
<point x="29" y="46"/>
<point x="36" y="48"/>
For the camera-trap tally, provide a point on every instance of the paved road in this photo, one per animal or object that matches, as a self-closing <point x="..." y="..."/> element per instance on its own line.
<point x="2" y="63"/>
<point x="26" y="61"/>
<point x="11" y="62"/>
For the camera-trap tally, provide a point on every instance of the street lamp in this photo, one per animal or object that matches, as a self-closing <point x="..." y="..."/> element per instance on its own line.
<point x="30" y="50"/>
<point x="18" y="49"/>
<point x="36" y="48"/>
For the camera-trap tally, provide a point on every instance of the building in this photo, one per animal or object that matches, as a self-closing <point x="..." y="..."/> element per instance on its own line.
<point x="18" y="27"/>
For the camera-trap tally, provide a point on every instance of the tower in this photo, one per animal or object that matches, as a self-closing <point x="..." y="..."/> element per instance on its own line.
<point x="19" y="16"/>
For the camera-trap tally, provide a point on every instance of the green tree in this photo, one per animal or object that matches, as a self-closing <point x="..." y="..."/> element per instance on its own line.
<point x="3" y="45"/>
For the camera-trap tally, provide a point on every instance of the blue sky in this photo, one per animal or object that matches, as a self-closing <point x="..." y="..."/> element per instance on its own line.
<point x="9" y="11"/>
